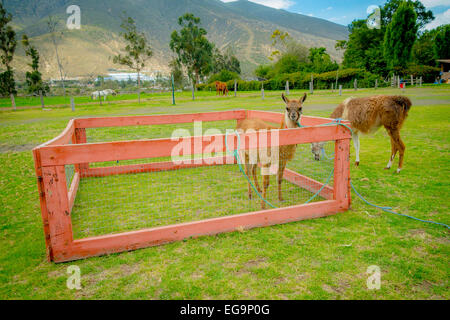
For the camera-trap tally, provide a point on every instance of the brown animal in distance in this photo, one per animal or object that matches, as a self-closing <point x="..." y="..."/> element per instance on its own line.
<point x="286" y="153"/>
<point x="368" y="114"/>
<point x="221" y="88"/>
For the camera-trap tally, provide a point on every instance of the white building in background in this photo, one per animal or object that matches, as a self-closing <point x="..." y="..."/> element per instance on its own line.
<point x="125" y="76"/>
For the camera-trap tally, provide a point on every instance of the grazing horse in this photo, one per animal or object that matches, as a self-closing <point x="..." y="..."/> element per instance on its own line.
<point x="221" y="88"/>
<point x="104" y="93"/>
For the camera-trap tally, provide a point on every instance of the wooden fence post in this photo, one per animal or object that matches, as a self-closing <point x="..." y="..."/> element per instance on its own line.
<point x="340" y="89"/>
<point x="13" y="101"/>
<point x="342" y="173"/>
<point x="80" y="137"/>
<point x="173" y="90"/>
<point x="235" y="87"/>
<point x="57" y="200"/>
<point x="41" y="96"/>
<point x="262" y="90"/>
<point x="287" y="87"/>
<point x="376" y="84"/>
<point x="44" y="212"/>
<point x="355" y="84"/>
<point x="72" y="103"/>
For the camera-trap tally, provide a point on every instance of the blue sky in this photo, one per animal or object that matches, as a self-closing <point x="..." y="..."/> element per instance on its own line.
<point x="345" y="11"/>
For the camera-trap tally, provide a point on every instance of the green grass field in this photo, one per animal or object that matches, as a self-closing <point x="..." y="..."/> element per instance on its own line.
<point x="315" y="259"/>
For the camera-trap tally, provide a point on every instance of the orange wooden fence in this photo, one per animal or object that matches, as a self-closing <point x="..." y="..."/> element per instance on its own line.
<point x="57" y="199"/>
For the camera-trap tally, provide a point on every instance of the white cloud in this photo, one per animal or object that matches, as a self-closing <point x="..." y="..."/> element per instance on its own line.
<point x="330" y="8"/>
<point x="435" y="3"/>
<point x="277" y="4"/>
<point x="442" y="18"/>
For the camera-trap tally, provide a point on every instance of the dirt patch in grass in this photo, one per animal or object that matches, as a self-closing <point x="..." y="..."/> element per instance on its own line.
<point x="4" y="148"/>
<point x="255" y="262"/>
<point x="418" y="233"/>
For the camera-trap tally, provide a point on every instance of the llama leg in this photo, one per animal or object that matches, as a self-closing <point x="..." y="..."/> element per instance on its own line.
<point x="355" y="138"/>
<point x="401" y="149"/>
<point x="247" y="171"/>
<point x="393" y="153"/>
<point x="255" y="177"/>
<point x="399" y="145"/>
<point x="266" y="181"/>
<point x="281" y="168"/>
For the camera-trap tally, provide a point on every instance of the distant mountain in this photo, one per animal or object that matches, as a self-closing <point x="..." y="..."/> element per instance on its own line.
<point x="243" y="25"/>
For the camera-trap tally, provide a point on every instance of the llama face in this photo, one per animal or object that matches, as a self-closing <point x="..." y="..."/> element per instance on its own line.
<point x="294" y="108"/>
<point x="316" y="149"/>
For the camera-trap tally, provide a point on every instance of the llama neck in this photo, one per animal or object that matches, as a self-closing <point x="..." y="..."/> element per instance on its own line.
<point x="289" y="123"/>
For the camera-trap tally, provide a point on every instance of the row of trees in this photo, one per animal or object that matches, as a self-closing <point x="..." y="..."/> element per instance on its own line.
<point x="195" y="54"/>
<point x="8" y="44"/>
<point x="293" y="57"/>
<point x="400" y="43"/>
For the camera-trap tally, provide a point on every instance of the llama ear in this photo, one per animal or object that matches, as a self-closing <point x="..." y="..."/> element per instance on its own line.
<point x="304" y="98"/>
<point x="285" y="99"/>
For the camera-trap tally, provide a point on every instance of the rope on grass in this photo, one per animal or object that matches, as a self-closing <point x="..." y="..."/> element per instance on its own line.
<point x="389" y="209"/>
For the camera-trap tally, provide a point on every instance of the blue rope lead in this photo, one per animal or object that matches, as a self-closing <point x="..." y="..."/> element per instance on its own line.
<point x="239" y="162"/>
<point x="389" y="209"/>
<point x="323" y="186"/>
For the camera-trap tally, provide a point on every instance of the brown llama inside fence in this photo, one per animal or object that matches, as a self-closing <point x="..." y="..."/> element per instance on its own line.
<point x="285" y="153"/>
<point x="368" y="114"/>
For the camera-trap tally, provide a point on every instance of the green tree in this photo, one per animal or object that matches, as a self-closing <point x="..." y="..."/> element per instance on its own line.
<point x="34" y="78"/>
<point x="442" y="42"/>
<point x="224" y="76"/>
<point x="423" y="50"/>
<point x="298" y="50"/>
<point x="8" y="45"/>
<point x="424" y="16"/>
<point x="287" y="63"/>
<point x="232" y="62"/>
<point x="262" y="71"/>
<point x="193" y="49"/>
<point x="225" y="61"/>
<point x="321" y="61"/>
<point x="55" y="35"/>
<point x="137" y="51"/>
<point x="177" y="71"/>
<point x="400" y="36"/>
<point x="364" y="49"/>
